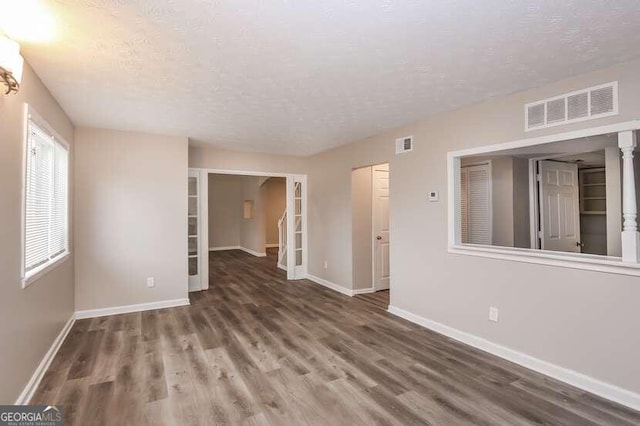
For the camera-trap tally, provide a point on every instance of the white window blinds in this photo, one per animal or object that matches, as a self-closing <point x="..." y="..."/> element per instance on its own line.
<point x="46" y="199"/>
<point x="475" y="204"/>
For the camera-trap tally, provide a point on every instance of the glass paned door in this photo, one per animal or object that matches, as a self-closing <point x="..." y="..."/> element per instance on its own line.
<point x="193" y="230"/>
<point x="296" y="237"/>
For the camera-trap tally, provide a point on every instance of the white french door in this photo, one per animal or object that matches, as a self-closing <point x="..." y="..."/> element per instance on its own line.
<point x="296" y="227"/>
<point x="197" y="255"/>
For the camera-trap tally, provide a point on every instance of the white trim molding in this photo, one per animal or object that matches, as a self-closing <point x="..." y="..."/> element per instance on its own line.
<point x="224" y="248"/>
<point x="140" y="307"/>
<point x="574" y="378"/>
<point x="38" y="374"/>
<point x="330" y="285"/>
<point x="274" y="245"/>
<point x="244" y="249"/>
<point x="363" y="291"/>
<point x="253" y="252"/>
<point x="608" y="264"/>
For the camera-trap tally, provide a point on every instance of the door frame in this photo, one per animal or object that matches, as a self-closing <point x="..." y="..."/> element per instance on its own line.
<point x="293" y="273"/>
<point x="373" y="225"/>
<point x="371" y="288"/>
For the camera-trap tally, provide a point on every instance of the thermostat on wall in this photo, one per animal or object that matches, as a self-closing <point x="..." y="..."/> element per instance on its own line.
<point x="434" y="196"/>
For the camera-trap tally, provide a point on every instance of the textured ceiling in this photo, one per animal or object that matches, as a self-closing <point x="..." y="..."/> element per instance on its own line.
<point x="300" y="76"/>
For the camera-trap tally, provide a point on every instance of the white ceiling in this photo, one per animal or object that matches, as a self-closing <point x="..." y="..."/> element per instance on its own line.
<point x="300" y="76"/>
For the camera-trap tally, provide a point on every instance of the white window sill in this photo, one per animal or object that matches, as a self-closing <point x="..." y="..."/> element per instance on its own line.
<point x="590" y="262"/>
<point x="43" y="270"/>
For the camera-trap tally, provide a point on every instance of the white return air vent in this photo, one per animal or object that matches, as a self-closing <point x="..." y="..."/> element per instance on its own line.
<point x="404" y="144"/>
<point x="586" y="104"/>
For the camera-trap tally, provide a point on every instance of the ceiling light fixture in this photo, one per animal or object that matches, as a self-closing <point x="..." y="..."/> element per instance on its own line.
<point x="11" y="63"/>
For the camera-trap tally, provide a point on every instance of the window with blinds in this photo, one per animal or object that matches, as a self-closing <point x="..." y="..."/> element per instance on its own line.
<point x="46" y="236"/>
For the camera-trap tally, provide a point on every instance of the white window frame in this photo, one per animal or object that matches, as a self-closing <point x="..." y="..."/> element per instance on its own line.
<point x="29" y="277"/>
<point x="527" y="255"/>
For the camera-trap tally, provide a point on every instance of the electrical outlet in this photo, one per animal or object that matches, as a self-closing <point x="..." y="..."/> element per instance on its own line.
<point x="493" y="314"/>
<point x="326" y="264"/>
<point x="151" y="282"/>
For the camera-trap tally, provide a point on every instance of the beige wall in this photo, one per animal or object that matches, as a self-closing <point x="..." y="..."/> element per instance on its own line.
<point x="253" y="231"/>
<point x="215" y="158"/>
<point x="576" y="319"/>
<point x="362" y="225"/>
<point x="275" y="193"/>
<point x="30" y="318"/>
<point x="502" y="203"/>
<point x="227" y="193"/>
<point x="225" y="210"/>
<point x="521" y="219"/>
<point x="131" y="218"/>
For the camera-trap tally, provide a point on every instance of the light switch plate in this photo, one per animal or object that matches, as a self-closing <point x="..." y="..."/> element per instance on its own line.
<point x="434" y="196"/>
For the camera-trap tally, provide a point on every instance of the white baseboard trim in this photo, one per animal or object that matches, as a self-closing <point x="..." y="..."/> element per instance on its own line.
<point x="364" y="291"/>
<point x="252" y="252"/>
<point x="329" y="284"/>
<point x="35" y="379"/>
<point x="574" y="378"/>
<point x="225" y="248"/>
<point x="94" y="313"/>
<point x="244" y="249"/>
<point x="275" y="245"/>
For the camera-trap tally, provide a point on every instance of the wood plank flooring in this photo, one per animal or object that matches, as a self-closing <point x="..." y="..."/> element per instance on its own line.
<point x="378" y="298"/>
<point x="256" y="349"/>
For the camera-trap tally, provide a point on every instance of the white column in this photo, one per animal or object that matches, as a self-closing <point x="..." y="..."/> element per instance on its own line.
<point x="630" y="235"/>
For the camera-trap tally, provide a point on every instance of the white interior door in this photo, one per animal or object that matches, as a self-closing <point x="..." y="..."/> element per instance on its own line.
<point x="380" y="206"/>
<point x="559" y="206"/>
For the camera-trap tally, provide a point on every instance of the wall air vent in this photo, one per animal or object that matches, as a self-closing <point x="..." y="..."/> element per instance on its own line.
<point x="586" y="104"/>
<point x="404" y="144"/>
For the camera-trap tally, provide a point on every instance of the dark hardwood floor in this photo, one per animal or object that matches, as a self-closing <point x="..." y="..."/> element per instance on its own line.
<point x="379" y="298"/>
<point x="256" y="349"/>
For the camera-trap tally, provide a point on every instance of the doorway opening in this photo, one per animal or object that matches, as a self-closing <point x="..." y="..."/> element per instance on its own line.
<point x="370" y="230"/>
<point x="578" y="222"/>
<point x="260" y="214"/>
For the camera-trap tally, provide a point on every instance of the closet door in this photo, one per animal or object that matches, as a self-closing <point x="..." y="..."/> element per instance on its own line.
<point x="475" y="191"/>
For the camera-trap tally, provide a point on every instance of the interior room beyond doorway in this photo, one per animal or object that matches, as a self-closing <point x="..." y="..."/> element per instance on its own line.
<point x="370" y="227"/>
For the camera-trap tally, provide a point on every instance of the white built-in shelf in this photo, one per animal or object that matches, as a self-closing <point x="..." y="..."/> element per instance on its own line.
<point x="593" y="186"/>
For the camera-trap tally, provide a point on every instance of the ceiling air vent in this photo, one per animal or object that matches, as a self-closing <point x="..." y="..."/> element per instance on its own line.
<point x="586" y="104"/>
<point x="404" y="144"/>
